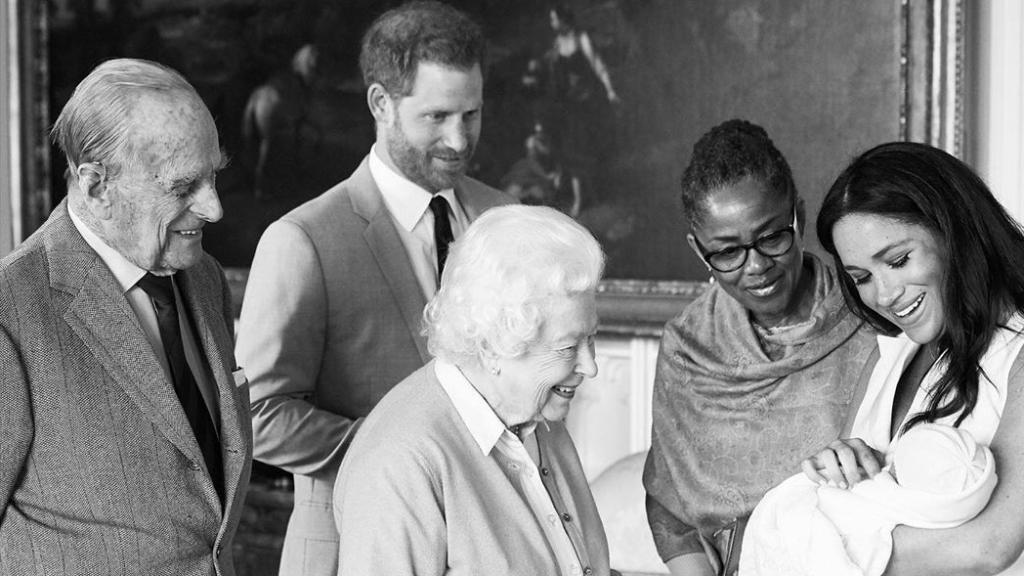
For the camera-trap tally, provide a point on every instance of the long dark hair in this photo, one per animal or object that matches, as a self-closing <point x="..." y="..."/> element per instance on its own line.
<point x="982" y="245"/>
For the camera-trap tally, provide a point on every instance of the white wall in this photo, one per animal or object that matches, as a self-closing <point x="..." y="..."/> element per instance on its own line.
<point x="10" y="180"/>
<point x="996" y="39"/>
<point x="611" y="414"/>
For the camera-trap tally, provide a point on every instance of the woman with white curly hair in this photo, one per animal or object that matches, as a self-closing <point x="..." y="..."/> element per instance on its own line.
<point x="466" y="466"/>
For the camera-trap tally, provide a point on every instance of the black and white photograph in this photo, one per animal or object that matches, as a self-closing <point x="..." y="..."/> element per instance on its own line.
<point x="612" y="287"/>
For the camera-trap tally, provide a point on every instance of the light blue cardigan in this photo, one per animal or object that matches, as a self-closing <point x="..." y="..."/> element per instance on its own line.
<point x="415" y="495"/>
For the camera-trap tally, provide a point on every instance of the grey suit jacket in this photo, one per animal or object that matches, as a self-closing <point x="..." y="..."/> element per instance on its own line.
<point x="100" y="472"/>
<point x="330" y="323"/>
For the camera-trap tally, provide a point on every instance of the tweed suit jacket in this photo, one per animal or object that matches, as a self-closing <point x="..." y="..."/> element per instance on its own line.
<point x="100" y="472"/>
<point x="330" y="323"/>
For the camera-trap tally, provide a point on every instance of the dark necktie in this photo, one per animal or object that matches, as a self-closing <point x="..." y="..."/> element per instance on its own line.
<point x="160" y="289"/>
<point x="442" y="231"/>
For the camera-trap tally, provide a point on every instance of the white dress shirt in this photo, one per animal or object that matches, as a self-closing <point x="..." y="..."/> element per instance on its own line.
<point x="127" y="275"/>
<point x="509" y="451"/>
<point x="409" y="206"/>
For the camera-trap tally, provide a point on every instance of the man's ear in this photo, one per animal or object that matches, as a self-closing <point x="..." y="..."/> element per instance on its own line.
<point x="380" y="102"/>
<point x="94" y="188"/>
<point x="692" y="241"/>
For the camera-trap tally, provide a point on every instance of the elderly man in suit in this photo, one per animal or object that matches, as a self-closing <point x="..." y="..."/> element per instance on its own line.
<point x="126" y="437"/>
<point x="332" y="312"/>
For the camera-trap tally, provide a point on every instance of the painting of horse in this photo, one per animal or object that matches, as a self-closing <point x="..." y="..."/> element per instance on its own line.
<point x="276" y="124"/>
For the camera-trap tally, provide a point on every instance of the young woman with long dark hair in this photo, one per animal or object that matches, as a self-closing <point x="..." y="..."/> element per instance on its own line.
<point x="929" y="256"/>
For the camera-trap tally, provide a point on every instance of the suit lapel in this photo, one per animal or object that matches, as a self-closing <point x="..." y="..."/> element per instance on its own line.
<point x="198" y="309"/>
<point x="101" y="316"/>
<point x="472" y="204"/>
<point x="198" y="285"/>
<point x="389" y="252"/>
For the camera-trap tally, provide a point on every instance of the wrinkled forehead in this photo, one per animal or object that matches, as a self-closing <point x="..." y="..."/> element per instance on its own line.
<point x="153" y="114"/>
<point x="166" y="116"/>
<point x="173" y="132"/>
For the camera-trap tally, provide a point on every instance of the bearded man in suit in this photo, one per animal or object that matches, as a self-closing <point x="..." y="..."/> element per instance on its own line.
<point x="126" y="435"/>
<point x="332" y="313"/>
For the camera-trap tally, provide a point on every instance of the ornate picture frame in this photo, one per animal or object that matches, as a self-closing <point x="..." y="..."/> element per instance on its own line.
<point x="825" y="81"/>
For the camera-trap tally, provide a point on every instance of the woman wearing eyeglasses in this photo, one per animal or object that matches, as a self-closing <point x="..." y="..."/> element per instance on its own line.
<point x="759" y="371"/>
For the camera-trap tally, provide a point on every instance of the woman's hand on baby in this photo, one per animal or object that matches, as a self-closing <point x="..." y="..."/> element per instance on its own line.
<point x="843" y="463"/>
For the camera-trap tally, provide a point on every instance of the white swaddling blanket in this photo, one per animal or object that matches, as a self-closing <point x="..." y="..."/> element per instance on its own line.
<point x="803" y="528"/>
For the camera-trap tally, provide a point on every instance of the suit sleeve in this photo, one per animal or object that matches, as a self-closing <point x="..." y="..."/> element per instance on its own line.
<point x="15" y="420"/>
<point x="281" y="341"/>
<point x="389" y="515"/>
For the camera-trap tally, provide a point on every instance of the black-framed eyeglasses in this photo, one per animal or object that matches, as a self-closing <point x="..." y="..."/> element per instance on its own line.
<point x="733" y="258"/>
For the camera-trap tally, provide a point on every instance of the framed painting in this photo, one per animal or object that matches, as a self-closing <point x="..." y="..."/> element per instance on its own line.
<point x="591" y="106"/>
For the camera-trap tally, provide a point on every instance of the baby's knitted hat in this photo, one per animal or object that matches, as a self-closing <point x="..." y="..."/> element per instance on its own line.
<point x="938" y="458"/>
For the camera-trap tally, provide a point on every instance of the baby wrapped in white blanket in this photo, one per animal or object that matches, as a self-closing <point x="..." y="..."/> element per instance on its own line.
<point x="936" y="477"/>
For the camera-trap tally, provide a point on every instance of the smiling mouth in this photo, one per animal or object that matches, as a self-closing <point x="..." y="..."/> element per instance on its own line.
<point x="764" y="289"/>
<point x="450" y="160"/>
<point x="909" y="309"/>
<point x="189" y="233"/>
<point x="566" y="392"/>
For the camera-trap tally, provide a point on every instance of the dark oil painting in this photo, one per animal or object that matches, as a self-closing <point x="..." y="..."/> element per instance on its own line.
<point x="591" y="106"/>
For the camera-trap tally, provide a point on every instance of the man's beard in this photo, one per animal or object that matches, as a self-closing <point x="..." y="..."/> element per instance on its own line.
<point x="416" y="165"/>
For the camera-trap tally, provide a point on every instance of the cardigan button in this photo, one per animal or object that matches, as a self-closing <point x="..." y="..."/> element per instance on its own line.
<point x="567" y="517"/>
<point x="588" y="571"/>
<point x="544" y="471"/>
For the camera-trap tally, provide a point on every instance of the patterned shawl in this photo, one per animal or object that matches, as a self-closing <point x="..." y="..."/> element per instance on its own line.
<point x="730" y="422"/>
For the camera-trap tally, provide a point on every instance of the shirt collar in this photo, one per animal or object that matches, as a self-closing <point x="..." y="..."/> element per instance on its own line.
<point x="484" y="425"/>
<point x="406" y="201"/>
<point x="126" y="273"/>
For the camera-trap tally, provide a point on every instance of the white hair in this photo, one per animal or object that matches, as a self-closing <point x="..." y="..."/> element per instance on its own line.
<point x="96" y="123"/>
<point x="501" y="275"/>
